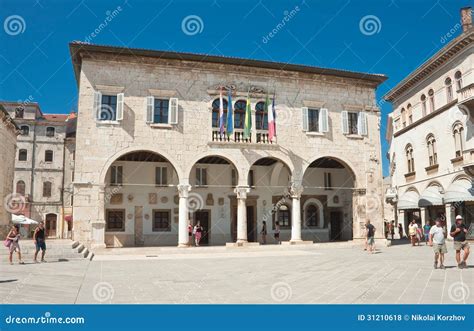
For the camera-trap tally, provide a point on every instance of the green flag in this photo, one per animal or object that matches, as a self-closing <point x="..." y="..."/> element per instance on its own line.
<point x="248" y="120"/>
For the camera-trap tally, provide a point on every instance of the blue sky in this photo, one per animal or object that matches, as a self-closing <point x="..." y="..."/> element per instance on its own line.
<point x="35" y="62"/>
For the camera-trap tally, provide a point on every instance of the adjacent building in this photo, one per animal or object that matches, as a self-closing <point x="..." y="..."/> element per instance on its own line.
<point x="151" y="157"/>
<point x="431" y="134"/>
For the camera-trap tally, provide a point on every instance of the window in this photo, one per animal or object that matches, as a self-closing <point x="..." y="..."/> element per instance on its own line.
<point x="108" y="108"/>
<point x="458" y="78"/>
<point x="239" y="114"/>
<point x="115" y="220"/>
<point x="161" y="176"/>
<point x="20" y="187"/>
<point x="316" y="120"/>
<point x="404" y="118"/>
<point x="313" y="120"/>
<point x="25" y="130"/>
<point x="22" y="155"/>
<point x="449" y="89"/>
<point x="50" y="131"/>
<point x="233" y="178"/>
<point x="409" y="114"/>
<point x="261" y="116"/>
<point x="250" y="179"/>
<point x="201" y="176"/>
<point x="327" y="181"/>
<point x="47" y="189"/>
<point x="216" y="110"/>
<point x="410" y="160"/>
<point x="19" y="112"/>
<point x="284" y="216"/>
<point x="353" y="125"/>
<point x="48" y="156"/>
<point x="160" y="112"/>
<point x="458" y="131"/>
<point x="161" y="220"/>
<point x="116" y="175"/>
<point x="431" y="143"/>
<point x="431" y="98"/>
<point x="423" y="105"/>
<point x="352" y="122"/>
<point x="312" y="216"/>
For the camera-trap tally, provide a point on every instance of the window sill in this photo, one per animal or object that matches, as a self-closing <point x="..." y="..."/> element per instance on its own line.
<point x="315" y="134"/>
<point x="160" y="126"/>
<point x="457" y="159"/>
<point x="410" y="175"/>
<point x="354" y="136"/>
<point x="432" y="167"/>
<point x="108" y="122"/>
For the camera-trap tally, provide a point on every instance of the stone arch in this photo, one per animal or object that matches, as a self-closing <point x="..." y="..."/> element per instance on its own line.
<point x="318" y="203"/>
<point x="280" y="164"/>
<point x="347" y="165"/>
<point x="218" y="154"/>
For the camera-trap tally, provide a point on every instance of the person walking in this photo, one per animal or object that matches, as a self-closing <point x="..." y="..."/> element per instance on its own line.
<point x="190" y="234"/>
<point x="263" y="233"/>
<point x="400" y="230"/>
<point x="197" y="233"/>
<point x="370" y="232"/>
<point x="39" y="240"/>
<point x="392" y="229"/>
<point x="13" y="244"/>
<point x="437" y="240"/>
<point x="426" y="231"/>
<point x="277" y="233"/>
<point x="413" y="232"/>
<point x="458" y="232"/>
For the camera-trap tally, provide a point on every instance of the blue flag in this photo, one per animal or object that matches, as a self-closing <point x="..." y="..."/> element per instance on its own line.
<point x="230" y="115"/>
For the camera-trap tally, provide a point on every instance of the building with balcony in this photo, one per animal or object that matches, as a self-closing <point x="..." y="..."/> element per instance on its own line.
<point x="431" y="134"/>
<point x="151" y="157"/>
<point x="43" y="153"/>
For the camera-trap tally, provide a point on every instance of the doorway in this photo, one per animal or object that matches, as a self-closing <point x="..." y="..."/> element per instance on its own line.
<point x="51" y="221"/>
<point x="203" y="216"/>
<point x="336" y="225"/>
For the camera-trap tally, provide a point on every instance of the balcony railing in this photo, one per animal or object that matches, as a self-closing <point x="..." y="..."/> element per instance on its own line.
<point x="466" y="93"/>
<point x="259" y="136"/>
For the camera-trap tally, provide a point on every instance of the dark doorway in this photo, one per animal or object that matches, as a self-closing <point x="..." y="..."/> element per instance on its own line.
<point x="251" y="226"/>
<point x="336" y="225"/>
<point x="50" y="225"/>
<point x="203" y="216"/>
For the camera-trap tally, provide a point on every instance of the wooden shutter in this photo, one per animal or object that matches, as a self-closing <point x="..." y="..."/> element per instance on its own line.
<point x="97" y="104"/>
<point x="362" y="123"/>
<point x="150" y="107"/>
<point x="120" y="98"/>
<point x="304" y="114"/>
<point x="345" y="122"/>
<point x="323" y="120"/>
<point x="173" y="111"/>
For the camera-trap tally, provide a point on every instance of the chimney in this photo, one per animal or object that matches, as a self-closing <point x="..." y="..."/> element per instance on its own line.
<point x="466" y="18"/>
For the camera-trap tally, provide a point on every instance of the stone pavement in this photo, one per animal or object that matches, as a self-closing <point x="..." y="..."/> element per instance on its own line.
<point x="324" y="273"/>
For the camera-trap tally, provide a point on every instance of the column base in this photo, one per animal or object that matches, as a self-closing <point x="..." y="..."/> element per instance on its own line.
<point x="242" y="244"/>
<point x="98" y="246"/>
<point x="297" y="242"/>
<point x="183" y="245"/>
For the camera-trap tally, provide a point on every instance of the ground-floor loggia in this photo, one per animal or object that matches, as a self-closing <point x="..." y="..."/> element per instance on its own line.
<point x="144" y="202"/>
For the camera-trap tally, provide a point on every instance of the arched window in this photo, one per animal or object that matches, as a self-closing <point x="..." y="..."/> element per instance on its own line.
<point x="458" y="78"/>
<point x="409" y="114"/>
<point x="431" y="98"/>
<point x="404" y="117"/>
<point x="311" y="213"/>
<point x="458" y="131"/>
<point x="432" y="155"/>
<point x="47" y="189"/>
<point x="25" y="130"/>
<point x="410" y="159"/>
<point x="48" y="156"/>
<point x="261" y="116"/>
<point x="284" y="216"/>
<point x="216" y="110"/>
<point x="423" y="105"/>
<point x="239" y="113"/>
<point x="50" y="131"/>
<point x="20" y="187"/>
<point x="22" y="155"/>
<point x="449" y="89"/>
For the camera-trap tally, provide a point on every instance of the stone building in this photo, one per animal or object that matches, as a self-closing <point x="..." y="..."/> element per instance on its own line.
<point x="150" y="158"/>
<point x="40" y="165"/>
<point x="431" y="134"/>
<point x="8" y="134"/>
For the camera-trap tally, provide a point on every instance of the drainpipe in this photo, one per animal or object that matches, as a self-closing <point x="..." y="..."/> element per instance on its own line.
<point x="33" y="161"/>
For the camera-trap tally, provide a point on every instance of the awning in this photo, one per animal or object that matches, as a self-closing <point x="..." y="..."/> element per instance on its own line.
<point x="68" y="218"/>
<point x="21" y="219"/>
<point x="460" y="190"/>
<point x="408" y="200"/>
<point x="431" y="197"/>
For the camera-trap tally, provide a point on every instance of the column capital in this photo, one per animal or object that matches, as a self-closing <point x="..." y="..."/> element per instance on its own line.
<point x="242" y="192"/>
<point x="296" y="190"/>
<point x="183" y="190"/>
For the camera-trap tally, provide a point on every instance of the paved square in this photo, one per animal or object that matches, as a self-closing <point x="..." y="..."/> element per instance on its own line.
<point x="325" y="273"/>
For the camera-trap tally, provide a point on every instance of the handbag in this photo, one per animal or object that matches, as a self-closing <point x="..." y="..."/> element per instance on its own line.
<point x="7" y="243"/>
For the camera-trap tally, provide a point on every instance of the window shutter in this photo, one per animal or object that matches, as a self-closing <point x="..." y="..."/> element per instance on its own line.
<point x="304" y="113"/>
<point x="119" y="175"/>
<point x="97" y="104"/>
<point x="150" y="106"/>
<point x="362" y="123"/>
<point x="173" y="111"/>
<point x="323" y="120"/>
<point x="120" y="97"/>
<point x="345" y="122"/>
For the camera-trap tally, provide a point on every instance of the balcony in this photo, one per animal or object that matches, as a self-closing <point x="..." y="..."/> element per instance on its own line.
<point x="466" y="95"/>
<point x="259" y="137"/>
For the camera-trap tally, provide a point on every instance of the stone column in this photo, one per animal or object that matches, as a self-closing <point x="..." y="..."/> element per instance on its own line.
<point x="183" y="238"/>
<point x="98" y="225"/>
<point x="242" y="192"/>
<point x="450" y="217"/>
<point x="295" y="192"/>
<point x="423" y="216"/>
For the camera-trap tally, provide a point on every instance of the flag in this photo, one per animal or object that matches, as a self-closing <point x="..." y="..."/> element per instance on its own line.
<point x="248" y="120"/>
<point x="221" y="114"/>
<point x="271" y="120"/>
<point x="230" y="115"/>
<point x="274" y="117"/>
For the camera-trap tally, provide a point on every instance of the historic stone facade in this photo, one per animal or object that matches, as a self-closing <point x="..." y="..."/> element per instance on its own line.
<point x="8" y="134"/>
<point x="150" y="158"/>
<point x="430" y="132"/>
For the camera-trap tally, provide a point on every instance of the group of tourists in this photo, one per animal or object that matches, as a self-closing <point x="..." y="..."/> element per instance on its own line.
<point x="12" y="243"/>
<point x="196" y="231"/>
<point x="276" y="233"/>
